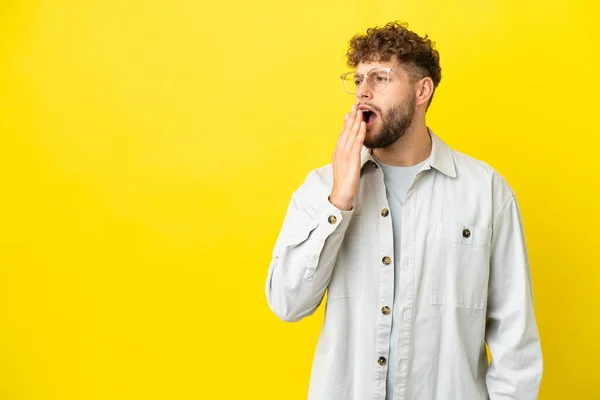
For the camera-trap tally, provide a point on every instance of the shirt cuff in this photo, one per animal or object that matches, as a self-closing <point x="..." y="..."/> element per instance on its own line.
<point x="330" y="218"/>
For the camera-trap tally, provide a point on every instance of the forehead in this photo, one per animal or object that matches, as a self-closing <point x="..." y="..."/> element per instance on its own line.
<point x="364" y="67"/>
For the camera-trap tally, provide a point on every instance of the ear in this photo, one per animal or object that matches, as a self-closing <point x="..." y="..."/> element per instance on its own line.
<point x="424" y="90"/>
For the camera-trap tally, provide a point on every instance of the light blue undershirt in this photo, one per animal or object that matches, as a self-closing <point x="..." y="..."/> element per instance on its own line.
<point x="397" y="181"/>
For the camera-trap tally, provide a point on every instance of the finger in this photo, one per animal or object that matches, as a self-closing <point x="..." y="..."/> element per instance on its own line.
<point x="360" y="137"/>
<point x="344" y="125"/>
<point x="354" y="130"/>
<point x="342" y="138"/>
<point x="349" y="120"/>
<point x="357" y="120"/>
<point x="348" y="123"/>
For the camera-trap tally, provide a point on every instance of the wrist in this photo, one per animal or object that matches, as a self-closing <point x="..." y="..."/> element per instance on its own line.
<point x="341" y="204"/>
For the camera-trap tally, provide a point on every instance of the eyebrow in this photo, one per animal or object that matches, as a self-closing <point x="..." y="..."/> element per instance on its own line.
<point x="370" y="69"/>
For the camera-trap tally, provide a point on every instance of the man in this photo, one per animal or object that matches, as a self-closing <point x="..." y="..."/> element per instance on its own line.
<point x="421" y="249"/>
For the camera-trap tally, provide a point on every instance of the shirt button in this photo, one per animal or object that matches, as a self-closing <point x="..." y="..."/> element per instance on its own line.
<point x="386" y="310"/>
<point x="381" y="360"/>
<point x="386" y="260"/>
<point x="332" y="219"/>
<point x="466" y="233"/>
<point x="385" y="212"/>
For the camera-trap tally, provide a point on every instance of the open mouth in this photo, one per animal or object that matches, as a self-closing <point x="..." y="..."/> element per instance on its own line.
<point x="369" y="117"/>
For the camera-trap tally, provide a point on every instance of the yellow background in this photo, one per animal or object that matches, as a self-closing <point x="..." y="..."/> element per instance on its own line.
<point x="149" y="150"/>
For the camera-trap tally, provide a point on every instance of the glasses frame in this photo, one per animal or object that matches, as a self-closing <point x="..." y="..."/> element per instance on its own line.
<point x="365" y="75"/>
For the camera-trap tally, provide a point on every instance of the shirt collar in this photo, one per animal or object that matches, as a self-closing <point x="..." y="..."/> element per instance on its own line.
<point x="441" y="156"/>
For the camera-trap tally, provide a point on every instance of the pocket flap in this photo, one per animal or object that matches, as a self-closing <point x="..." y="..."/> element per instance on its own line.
<point x="473" y="235"/>
<point x="301" y="234"/>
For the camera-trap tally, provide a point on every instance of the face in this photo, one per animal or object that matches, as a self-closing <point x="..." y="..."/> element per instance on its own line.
<point x="393" y="108"/>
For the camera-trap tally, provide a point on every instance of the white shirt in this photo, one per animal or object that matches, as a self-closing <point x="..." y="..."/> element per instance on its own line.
<point x="465" y="282"/>
<point x="397" y="181"/>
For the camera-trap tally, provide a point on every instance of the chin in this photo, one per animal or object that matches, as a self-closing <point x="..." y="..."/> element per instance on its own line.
<point x="371" y="137"/>
<point x="369" y="143"/>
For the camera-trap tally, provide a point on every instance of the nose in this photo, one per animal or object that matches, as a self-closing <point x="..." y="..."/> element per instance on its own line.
<point x="363" y="91"/>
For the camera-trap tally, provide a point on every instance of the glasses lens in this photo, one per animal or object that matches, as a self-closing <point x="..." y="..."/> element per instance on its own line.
<point x="351" y="82"/>
<point x="378" y="79"/>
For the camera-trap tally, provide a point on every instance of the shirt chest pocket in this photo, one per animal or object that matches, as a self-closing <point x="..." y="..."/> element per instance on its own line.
<point x="347" y="273"/>
<point x="461" y="265"/>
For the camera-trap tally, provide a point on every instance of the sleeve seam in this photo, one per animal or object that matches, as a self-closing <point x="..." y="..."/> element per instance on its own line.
<point x="502" y="209"/>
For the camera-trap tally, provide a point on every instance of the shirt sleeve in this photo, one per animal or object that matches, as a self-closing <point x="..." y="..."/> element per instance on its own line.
<point x="304" y="254"/>
<point x="511" y="334"/>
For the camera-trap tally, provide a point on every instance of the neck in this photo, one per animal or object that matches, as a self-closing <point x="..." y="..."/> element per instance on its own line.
<point x="411" y="149"/>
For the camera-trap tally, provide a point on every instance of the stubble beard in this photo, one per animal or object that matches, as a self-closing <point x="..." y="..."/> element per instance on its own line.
<point x="394" y="125"/>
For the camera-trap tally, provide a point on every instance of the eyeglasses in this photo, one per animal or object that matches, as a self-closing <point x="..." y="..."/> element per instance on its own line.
<point x="377" y="79"/>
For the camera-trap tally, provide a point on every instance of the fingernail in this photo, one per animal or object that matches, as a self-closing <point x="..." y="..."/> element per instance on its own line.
<point x="353" y="107"/>
<point x="345" y="117"/>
